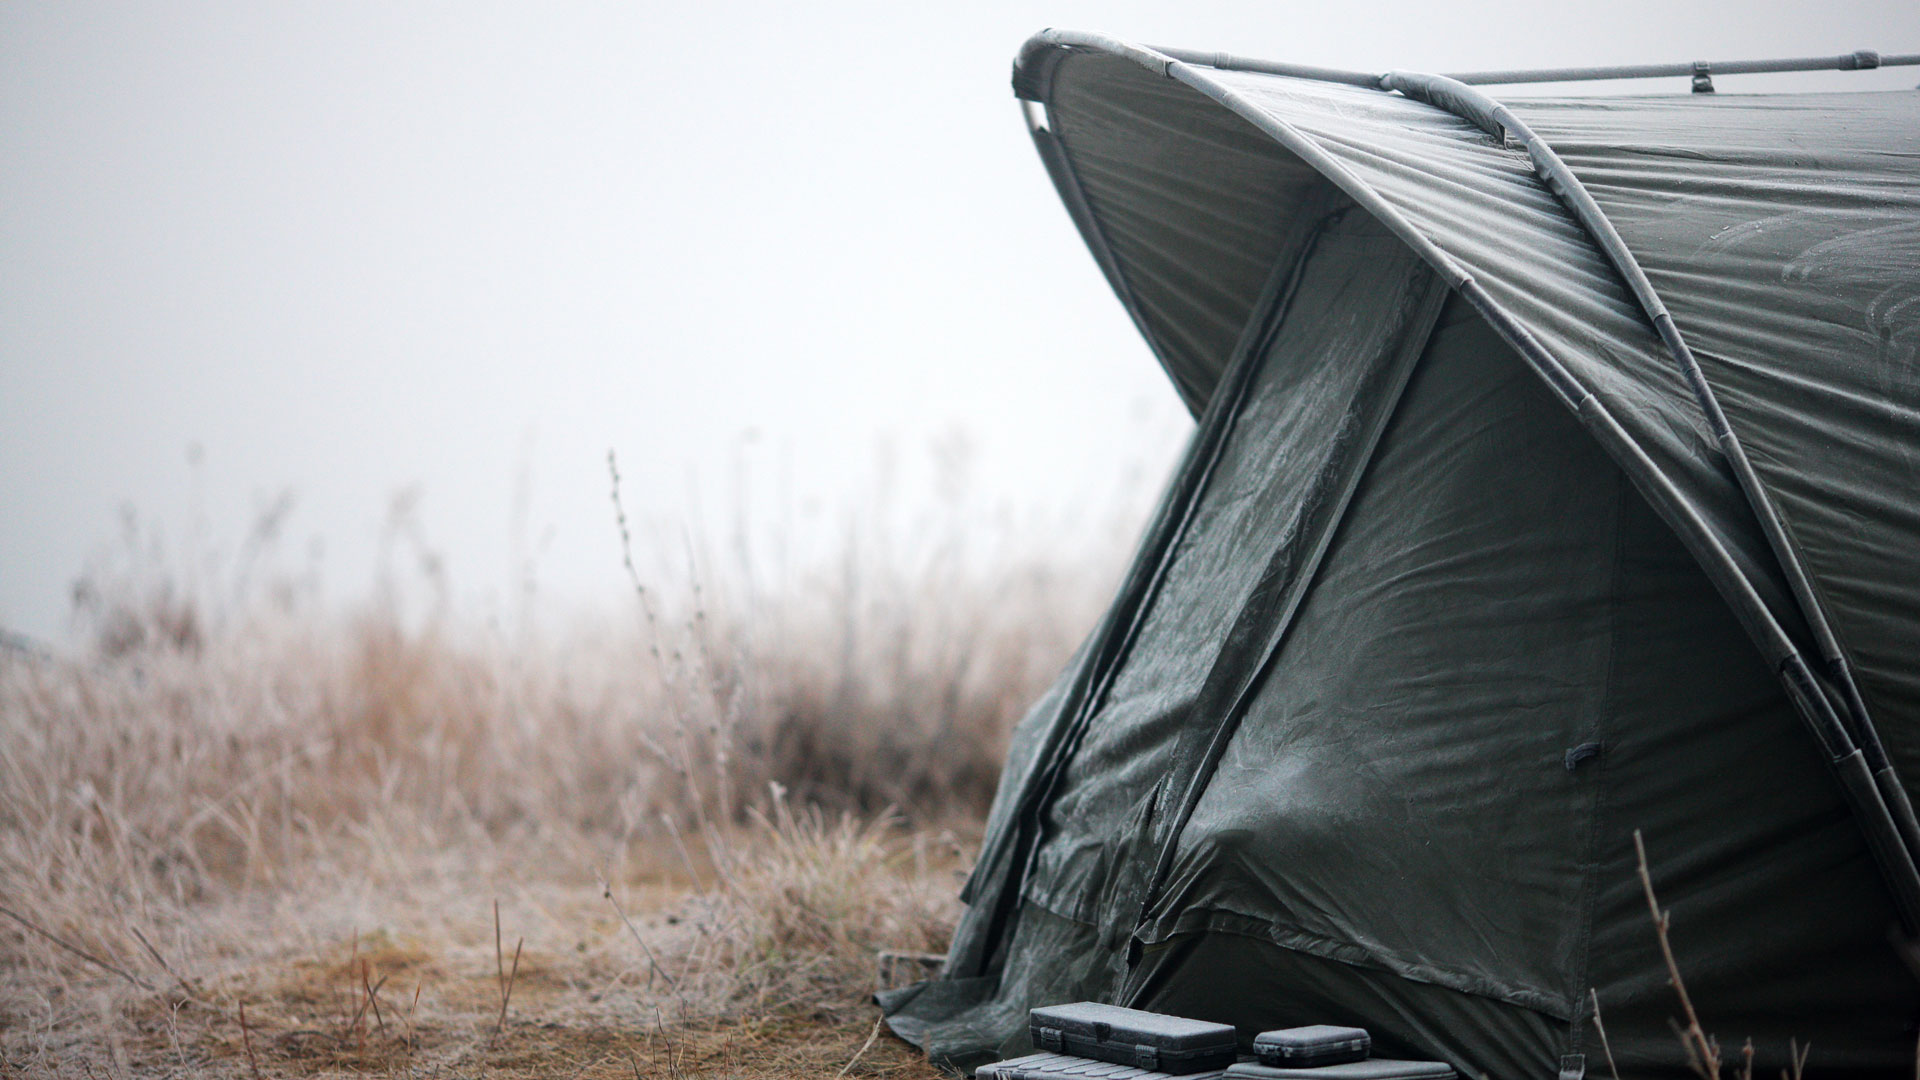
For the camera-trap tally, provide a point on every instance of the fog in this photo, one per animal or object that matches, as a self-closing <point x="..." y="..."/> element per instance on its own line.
<point x="789" y="262"/>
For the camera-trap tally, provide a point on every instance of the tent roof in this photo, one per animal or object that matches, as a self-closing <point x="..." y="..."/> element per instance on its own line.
<point x="1782" y="233"/>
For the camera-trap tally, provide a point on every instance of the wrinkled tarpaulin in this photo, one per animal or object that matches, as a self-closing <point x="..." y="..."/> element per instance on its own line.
<point x="1328" y="756"/>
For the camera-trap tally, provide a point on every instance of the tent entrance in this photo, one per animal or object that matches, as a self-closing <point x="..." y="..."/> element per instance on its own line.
<point x="1408" y="658"/>
<point x="1505" y="664"/>
<point x="1311" y="399"/>
<point x="1275" y="458"/>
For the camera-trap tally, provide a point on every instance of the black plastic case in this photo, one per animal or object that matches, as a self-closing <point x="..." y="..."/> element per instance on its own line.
<point x="1144" y="1040"/>
<point x="1317" y="1044"/>
<point x="1370" y="1069"/>
<point x="1045" y="1066"/>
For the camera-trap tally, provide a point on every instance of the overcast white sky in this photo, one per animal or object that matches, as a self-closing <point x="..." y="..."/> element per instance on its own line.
<point x="352" y="248"/>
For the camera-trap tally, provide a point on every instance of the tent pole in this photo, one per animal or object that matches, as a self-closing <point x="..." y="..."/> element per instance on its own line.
<point x="1497" y="120"/>
<point x="1859" y="60"/>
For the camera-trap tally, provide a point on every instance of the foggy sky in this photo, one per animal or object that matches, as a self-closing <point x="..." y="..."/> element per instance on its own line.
<point x="349" y="249"/>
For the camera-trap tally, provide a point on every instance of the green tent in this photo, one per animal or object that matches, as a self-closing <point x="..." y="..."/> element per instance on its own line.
<point x="1557" y="476"/>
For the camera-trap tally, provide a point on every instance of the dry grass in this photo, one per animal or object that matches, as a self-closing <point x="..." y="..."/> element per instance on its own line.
<point x="406" y="976"/>
<point x="248" y="838"/>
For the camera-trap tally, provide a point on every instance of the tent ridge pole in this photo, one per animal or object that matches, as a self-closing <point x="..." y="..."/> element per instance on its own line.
<point x="1858" y="60"/>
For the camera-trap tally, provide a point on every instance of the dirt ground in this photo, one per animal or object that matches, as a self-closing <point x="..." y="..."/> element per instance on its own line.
<point x="377" y="1006"/>
<point x="819" y="1044"/>
<point x="422" y="975"/>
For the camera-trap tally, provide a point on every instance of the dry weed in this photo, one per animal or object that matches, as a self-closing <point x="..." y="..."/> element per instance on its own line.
<point x="1703" y="1053"/>
<point x="246" y="836"/>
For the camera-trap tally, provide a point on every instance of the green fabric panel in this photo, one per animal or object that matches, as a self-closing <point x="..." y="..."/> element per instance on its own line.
<point x="1482" y="204"/>
<point x="1192" y="186"/>
<point x="1784" y="234"/>
<point x="1779" y="919"/>
<point x="1396" y="795"/>
<point x="1354" y="291"/>
<point x="1256" y="986"/>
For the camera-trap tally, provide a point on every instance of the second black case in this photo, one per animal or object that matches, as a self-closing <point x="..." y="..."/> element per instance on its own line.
<point x="1316" y="1044"/>
<point x="1370" y="1069"/>
<point x="1144" y="1040"/>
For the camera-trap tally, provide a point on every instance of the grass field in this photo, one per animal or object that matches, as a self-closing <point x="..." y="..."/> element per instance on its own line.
<point x="246" y="836"/>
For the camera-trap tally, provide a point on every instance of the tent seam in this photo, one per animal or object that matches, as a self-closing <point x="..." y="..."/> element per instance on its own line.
<point x="1597" y="806"/>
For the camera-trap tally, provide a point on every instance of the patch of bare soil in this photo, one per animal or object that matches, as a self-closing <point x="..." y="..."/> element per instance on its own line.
<point x="755" y="960"/>
<point x="545" y="1038"/>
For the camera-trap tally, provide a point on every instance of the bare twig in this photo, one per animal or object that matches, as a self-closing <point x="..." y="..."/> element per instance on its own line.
<point x="626" y="538"/>
<point x="173" y="1032"/>
<point x="353" y="965"/>
<point x="670" y="676"/>
<point x="1600" y="1026"/>
<point x="848" y="1067"/>
<point x="77" y="950"/>
<point x="1799" y="1053"/>
<point x="686" y="858"/>
<point x="673" y="1053"/>
<point x="652" y="963"/>
<point x="185" y="987"/>
<point x="354" y="1026"/>
<point x="187" y="991"/>
<point x="246" y="1038"/>
<point x="506" y="977"/>
<point x="1703" y="1052"/>
<point x="373" y="995"/>
<point x="411" y="1009"/>
<point x="512" y="974"/>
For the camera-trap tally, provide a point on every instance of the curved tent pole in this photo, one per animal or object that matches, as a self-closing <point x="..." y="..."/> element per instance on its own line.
<point x="1500" y="122"/>
<point x="1860" y="60"/>
<point x="1874" y="794"/>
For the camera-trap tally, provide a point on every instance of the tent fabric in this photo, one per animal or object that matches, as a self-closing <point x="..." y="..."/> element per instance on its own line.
<point x="1322" y="381"/>
<point x="1398" y="796"/>
<point x="1408" y="654"/>
<point x="1785" y="237"/>
<point x="1479" y="201"/>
